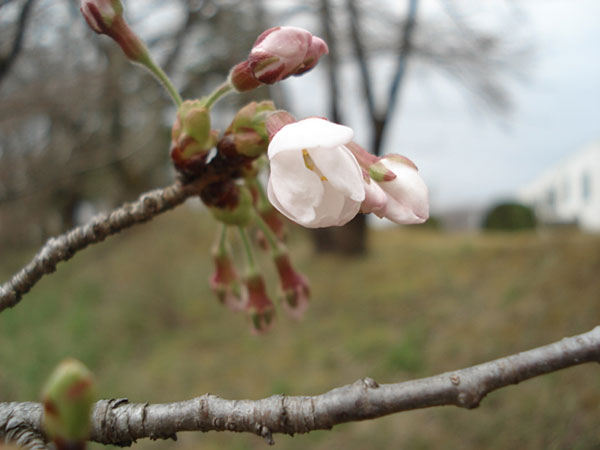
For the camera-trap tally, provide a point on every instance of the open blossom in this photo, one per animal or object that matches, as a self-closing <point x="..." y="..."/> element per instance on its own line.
<point x="315" y="180"/>
<point x="406" y="195"/>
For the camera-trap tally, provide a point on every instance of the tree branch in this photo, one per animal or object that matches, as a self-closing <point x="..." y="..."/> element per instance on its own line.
<point x="63" y="247"/>
<point x="7" y="62"/>
<point x="122" y="423"/>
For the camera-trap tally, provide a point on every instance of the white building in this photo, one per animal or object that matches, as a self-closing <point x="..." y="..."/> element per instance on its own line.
<point x="568" y="192"/>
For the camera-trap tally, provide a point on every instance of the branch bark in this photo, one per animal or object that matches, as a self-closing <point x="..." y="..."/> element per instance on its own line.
<point x="122" y="423"/>
<point x="63" y="247"/>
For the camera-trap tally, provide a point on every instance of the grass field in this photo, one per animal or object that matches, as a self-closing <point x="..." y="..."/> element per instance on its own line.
<point x="137" y="310"/>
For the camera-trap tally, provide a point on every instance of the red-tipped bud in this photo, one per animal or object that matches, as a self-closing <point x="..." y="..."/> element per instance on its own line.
<point x="260" y="307"/>
<point x="106" y="17"/>
<point x="191" y="136"/>
<point x="248" y="129"/>
<point x="100" y="14"/>
<point x="296" y="290"/>
<point x="225" y="282"/>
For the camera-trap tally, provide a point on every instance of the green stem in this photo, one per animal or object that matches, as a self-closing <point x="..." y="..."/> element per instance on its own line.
<point x="248" y="249"/>
<point x="223" y="239"/>
<point x="163" y="78"/>
<point x="217" y="94"/>
<point x="276" y="246"/>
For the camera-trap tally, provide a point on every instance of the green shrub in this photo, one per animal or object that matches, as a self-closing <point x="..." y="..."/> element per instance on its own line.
<point x="509" y="217"/>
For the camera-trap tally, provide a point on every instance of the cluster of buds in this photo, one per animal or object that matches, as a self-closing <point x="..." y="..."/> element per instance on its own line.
<point x="278" y="53"/>
<point x="318" y="176"/>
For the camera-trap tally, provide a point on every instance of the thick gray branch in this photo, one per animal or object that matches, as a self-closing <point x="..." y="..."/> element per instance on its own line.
<point x="20" y="423"/>
<point x="63" y="247"/>
<point x="119" y="422"/>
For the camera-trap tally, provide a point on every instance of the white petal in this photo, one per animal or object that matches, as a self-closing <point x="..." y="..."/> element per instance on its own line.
<point x="408" y="200"/>
<point x="309" y="133"/>
<point x="298" y="189"/>
<point x="330" y="207"/>
<point x="375" y="199"/>
<point x="401" y="214"/>
<point x="341" y="169"/>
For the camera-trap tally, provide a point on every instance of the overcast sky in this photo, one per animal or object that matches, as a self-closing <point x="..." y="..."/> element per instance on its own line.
<point x="470" y="157"/>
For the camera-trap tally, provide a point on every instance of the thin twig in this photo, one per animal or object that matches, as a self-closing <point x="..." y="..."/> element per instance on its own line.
<point x="122" y="423"/>
<point x="63" y="247"/>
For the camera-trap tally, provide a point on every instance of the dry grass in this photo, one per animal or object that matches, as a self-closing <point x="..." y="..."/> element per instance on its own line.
<point x="138" y="311"/>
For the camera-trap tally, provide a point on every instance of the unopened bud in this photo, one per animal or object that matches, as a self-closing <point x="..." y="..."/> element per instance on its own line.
<point x="260" y="307"/>
<point x="249" y="130"/>
<point x="106" y="17"/>
<point x="101" y="14"/>
<point x="242" y="79"/>
<point x="68" y="398"/>
<point x="225" y="282"/>
<point x="284" y="51"/>
<point x="191" y="136"/>
<point x="295" y="287"/>
<point x="278" y="53"/>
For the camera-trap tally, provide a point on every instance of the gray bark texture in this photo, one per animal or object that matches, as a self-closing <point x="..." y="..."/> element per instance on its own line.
<point x="63" y="247"/>
<point x="122" y="423"/>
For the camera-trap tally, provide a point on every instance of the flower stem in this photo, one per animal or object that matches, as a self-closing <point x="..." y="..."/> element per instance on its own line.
<point x="277" y="247"/>
<point x="222" y="239"/>
<point x="248" y="250"/>
<point x="217" y="94"/>
<point x="149" y="63"/>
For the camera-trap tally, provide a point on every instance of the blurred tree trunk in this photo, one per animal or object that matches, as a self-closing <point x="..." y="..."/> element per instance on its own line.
<point x="352" y="238"/>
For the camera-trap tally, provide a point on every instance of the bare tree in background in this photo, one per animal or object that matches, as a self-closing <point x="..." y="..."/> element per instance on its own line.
<point x="476" y="60"/>
<point x="57" y="156"/>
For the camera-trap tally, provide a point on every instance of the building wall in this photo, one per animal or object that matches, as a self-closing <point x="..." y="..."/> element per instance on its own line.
<point x="569" y="192"/>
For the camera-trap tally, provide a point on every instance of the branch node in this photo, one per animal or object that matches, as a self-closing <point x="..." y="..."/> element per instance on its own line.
<point x="455" y="379"/>
<point x="369" y="383"/>
<point x="267" y="435"/>
<point x="468" y="400"/>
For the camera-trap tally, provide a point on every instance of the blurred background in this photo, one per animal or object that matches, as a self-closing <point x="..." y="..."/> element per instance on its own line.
<point x="496" y="102"/>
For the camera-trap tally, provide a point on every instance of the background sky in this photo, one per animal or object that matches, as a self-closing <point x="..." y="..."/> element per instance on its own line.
<point x="469" y="156"/>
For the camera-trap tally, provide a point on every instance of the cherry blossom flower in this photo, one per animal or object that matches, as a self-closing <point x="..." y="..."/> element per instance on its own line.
<point x="315" y="180"/>
<point x="406" y="199"/>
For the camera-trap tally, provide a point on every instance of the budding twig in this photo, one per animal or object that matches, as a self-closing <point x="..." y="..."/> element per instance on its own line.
<point x="63" y="247"/>
<point x="120" y="422"/>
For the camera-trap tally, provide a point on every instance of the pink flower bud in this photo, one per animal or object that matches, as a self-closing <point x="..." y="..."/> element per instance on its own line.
<point x="106" y="17"/>
<point x="407" y="195"/>
<point x="296" y="290"/>
<point x="283" y="51"/>
<point x="100" y="14"/>
<point x="277" y="54"/>
<point x="225" y="282"/>
<point x="260" y="307"/>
